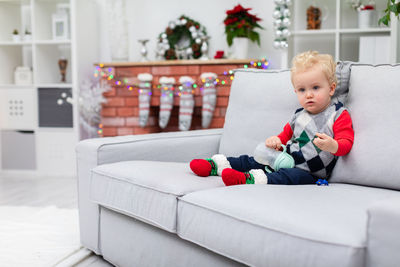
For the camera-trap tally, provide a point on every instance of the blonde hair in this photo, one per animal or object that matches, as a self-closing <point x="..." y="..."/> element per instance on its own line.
<point x="307" y="60"/>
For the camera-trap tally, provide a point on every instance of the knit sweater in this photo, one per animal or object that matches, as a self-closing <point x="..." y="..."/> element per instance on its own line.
<point x="299" y="133"/>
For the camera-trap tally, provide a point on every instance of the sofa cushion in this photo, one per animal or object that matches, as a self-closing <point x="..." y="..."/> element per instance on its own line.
<point x="260" y="104"/>
<point x="343" y="71"/>
<point x="254" y="223"/>
<point x="374" y="107"/>
<point x="146" y="190"/>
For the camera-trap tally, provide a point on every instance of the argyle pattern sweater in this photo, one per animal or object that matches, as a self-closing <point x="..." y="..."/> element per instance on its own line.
<point x="299" y="133"/>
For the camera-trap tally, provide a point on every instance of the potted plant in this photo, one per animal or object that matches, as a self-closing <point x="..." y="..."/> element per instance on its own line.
<point x="392" y="6"/>
<point x="240" y="27"/>
<point x="28" y="35"/>
<point x="365" y="12"/>
<point x="15" y="36"/>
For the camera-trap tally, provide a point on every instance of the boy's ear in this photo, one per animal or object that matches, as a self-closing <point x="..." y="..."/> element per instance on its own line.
<point x="333" y="88"/>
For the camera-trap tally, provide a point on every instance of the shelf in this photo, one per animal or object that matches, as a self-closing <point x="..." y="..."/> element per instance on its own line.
<point x="299" y="12"/>
<point x="15" y="86"/>
<point x="43" y="19"/>
<point x="11" y="43"/>
<point x="52" y="42"/>
<point x="10" y="58"/>
<point x="37" y="42"/>
<point x="32" y="119"/>
<point x="333" y="31"/>
<point x="322" y="43"/>
<point x="314" y="32"/>
<point x="43" y="85"/>
<point x="340" y="33"/>
<point x="368" y="30"/>
<point x="54" y="85"/>
<point x="10" y="19"/>
<point x="47" y="70"/>
<point x="15" y="2"/>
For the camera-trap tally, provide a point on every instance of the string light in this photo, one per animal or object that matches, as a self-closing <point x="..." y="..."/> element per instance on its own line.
<point x="100" y="129"/>
<point x="108" y="74"/>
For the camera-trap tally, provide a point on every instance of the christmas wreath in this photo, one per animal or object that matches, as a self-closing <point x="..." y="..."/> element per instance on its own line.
<point x="182" y="38"/>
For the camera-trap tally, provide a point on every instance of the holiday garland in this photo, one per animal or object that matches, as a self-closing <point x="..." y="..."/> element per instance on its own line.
<point x="282" y="22"/>
<point x="183" y="27"/>
<point x="108" y="73"/>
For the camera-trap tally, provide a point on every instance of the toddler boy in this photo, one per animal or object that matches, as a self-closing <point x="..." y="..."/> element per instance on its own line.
<point x="315" y="137"/>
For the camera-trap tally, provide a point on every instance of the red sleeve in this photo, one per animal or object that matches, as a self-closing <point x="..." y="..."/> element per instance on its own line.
<point x="286" y="134"/>
<point x="343" y="133"/>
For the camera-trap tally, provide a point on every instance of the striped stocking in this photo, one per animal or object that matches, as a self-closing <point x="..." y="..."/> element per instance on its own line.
<point x="166" y="100"/>
<point x="144" y="97"/>
<point x="186" y="103"/>
<point x="209" y="98"/>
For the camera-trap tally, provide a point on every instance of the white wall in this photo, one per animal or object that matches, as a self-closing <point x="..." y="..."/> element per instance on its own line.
<point x="87" y="37"/>
<point x="148" y="18"/>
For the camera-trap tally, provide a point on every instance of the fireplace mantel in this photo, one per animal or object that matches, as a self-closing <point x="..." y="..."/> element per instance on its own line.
<point x="120" y="115"/>
<point x="176" y="62"/>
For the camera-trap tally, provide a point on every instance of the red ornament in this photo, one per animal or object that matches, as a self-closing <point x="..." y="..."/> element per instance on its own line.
<point x="219" y="54"/>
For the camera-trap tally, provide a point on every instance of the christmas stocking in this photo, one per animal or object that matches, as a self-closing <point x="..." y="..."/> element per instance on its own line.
<point x="186" y="103"/>
<point x="233" y="177"/>
<point x="209" y="98"/>
<point x="212" y="166"/>
<point x="144" y="97"/>
<point x="166" y="100"/>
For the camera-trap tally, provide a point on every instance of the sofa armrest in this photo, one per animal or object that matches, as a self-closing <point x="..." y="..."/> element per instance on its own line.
<point x="383" y="243"/>
<point x="172" y="146"/>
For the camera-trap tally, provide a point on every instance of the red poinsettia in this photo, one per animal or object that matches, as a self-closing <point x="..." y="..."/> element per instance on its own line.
<point x="368" y="7"/>
<point x="240" y="23"/>
<point x="237" y="9"/>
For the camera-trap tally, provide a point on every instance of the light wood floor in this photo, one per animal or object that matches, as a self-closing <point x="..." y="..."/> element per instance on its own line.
<point x="19" y="190"/>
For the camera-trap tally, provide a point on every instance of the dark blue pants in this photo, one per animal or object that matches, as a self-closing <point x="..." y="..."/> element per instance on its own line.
<point x="291" y="176"/>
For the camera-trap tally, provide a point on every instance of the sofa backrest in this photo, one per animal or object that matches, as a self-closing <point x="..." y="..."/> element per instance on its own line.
<point x="262" y="101"/>
<point x="374" y="105"/>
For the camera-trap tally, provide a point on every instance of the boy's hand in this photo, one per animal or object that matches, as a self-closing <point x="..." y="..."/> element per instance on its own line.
<point x="326" y="143"/>
<point x="273" y="142"/>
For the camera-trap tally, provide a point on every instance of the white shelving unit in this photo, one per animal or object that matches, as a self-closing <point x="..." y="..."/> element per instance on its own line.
<point x="47" y="150"/>
<point x="339" y="34"/>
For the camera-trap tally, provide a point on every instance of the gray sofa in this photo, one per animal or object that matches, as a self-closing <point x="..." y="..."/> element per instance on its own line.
<point x="140" y="205"/>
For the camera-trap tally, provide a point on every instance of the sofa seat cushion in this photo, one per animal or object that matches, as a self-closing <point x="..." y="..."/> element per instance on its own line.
<point x="280" y="225"/>
<point x="146" y="190"/>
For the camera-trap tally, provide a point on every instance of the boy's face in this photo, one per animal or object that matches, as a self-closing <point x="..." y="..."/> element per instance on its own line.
<point x="313" y="89"/>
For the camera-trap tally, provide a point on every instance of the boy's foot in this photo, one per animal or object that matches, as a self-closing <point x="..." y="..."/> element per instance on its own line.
<point x="213" y="166"/>
<point x="234" y="177"/>
<point x="203" y="167"/>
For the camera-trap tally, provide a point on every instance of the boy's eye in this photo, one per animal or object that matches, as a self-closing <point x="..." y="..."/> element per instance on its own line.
<point x="301" y="90"/>
<point x="315" y="87"/>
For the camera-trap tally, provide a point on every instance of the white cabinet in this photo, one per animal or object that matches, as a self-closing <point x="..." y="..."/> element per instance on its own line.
<point x="20" y="109"/>
<point x="339" y="34"/>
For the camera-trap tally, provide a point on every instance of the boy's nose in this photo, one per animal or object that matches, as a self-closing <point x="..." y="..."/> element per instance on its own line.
<point x="309" y="94"/>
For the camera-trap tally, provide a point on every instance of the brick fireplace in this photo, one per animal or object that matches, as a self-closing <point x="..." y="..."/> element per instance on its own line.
<point x="120" y="115"/>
